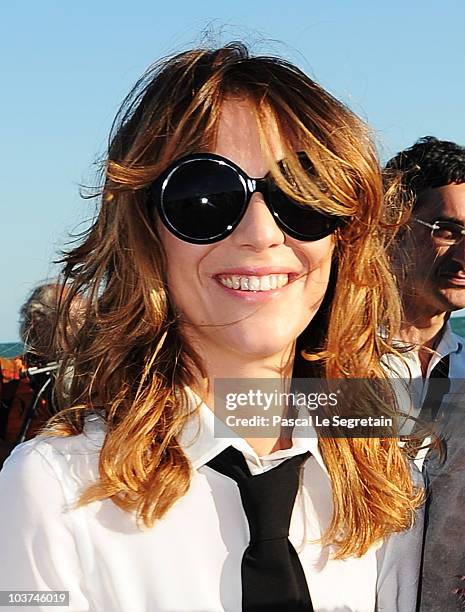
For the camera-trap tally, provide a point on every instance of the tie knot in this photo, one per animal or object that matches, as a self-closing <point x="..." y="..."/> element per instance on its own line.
<point x="268" y="498"/>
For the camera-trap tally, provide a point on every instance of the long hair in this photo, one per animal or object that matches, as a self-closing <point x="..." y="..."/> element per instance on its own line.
<point x="130" y="358"/>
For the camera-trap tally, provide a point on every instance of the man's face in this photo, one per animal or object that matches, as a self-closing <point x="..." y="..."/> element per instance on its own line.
<point x="436" y="273"/>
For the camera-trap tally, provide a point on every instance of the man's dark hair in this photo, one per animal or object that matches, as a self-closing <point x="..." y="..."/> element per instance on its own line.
<point x="429" y="163"/>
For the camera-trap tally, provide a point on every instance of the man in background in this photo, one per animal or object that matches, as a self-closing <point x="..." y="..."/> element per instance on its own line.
<point x="27" y="382"/>
<point x="429" y="257"/>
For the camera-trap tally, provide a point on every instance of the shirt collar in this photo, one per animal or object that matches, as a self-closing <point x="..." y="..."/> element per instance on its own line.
<point x="449" y="342"/>
<point x="199" y="443"/>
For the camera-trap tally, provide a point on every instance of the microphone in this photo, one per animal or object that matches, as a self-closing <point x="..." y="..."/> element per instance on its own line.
<point x="51" y="366"/>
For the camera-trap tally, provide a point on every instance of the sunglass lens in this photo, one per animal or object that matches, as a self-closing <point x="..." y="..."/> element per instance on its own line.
<point x="299" y="220"/>
<point x="202" y="200"/>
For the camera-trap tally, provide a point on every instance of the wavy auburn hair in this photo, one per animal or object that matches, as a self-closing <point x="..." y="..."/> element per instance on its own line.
<point x="130" y="358"/>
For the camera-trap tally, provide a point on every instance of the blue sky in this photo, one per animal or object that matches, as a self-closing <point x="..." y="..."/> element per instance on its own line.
<point x="66" y="67"/>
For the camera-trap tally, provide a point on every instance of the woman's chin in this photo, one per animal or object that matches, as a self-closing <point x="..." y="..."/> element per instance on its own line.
<point x="260" y="343"/>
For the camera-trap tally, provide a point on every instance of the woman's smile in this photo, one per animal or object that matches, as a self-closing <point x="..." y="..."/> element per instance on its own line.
<point x="256" y="284"/>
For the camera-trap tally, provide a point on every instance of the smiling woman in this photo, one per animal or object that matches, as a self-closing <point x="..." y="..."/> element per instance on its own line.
<point x="234" y="296"/>
<point x="238" y="237"/>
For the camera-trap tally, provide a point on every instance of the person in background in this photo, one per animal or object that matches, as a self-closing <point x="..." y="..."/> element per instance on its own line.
<point x="26" y="393"/>
<point x="37" y="323"/>
<point x="239" y="236"/>
<point x="429" y="258"/>
<point x="15" y="397"/>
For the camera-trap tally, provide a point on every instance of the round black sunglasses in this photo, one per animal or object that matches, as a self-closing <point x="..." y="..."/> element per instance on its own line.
<point x="201" y="198"/>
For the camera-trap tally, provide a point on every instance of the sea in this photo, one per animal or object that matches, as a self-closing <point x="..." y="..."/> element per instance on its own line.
<point x="12" y="349"/>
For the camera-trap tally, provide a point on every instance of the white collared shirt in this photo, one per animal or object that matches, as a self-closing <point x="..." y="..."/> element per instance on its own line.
<point x="413" y="386"/>
<point x="449" y="344"/>
<point x="190" y="560"/>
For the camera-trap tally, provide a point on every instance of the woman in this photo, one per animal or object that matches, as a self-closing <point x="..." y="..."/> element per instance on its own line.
<point x="196" y="270"/>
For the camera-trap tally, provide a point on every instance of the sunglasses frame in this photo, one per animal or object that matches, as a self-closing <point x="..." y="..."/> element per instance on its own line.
<point x="250" y="187"/>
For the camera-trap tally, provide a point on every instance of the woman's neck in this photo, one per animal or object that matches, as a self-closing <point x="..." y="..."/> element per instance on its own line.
<point x="234" y="373"/>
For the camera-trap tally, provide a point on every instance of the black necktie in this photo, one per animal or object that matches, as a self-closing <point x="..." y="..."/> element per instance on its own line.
<point x="438" y="386"/>
<point x="272" y="576"/>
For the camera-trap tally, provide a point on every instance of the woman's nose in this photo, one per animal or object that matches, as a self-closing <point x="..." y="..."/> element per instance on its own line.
<point x="258" y="229"/>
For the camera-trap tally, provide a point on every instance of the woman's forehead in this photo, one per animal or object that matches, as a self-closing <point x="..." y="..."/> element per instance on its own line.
<point x="238" y="137"/>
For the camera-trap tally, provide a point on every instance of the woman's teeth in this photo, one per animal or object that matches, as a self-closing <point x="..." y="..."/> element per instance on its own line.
<point x="255" y="283"/>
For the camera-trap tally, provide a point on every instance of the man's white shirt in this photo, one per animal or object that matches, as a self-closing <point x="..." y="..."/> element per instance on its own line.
<point x="412" y="387"/>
